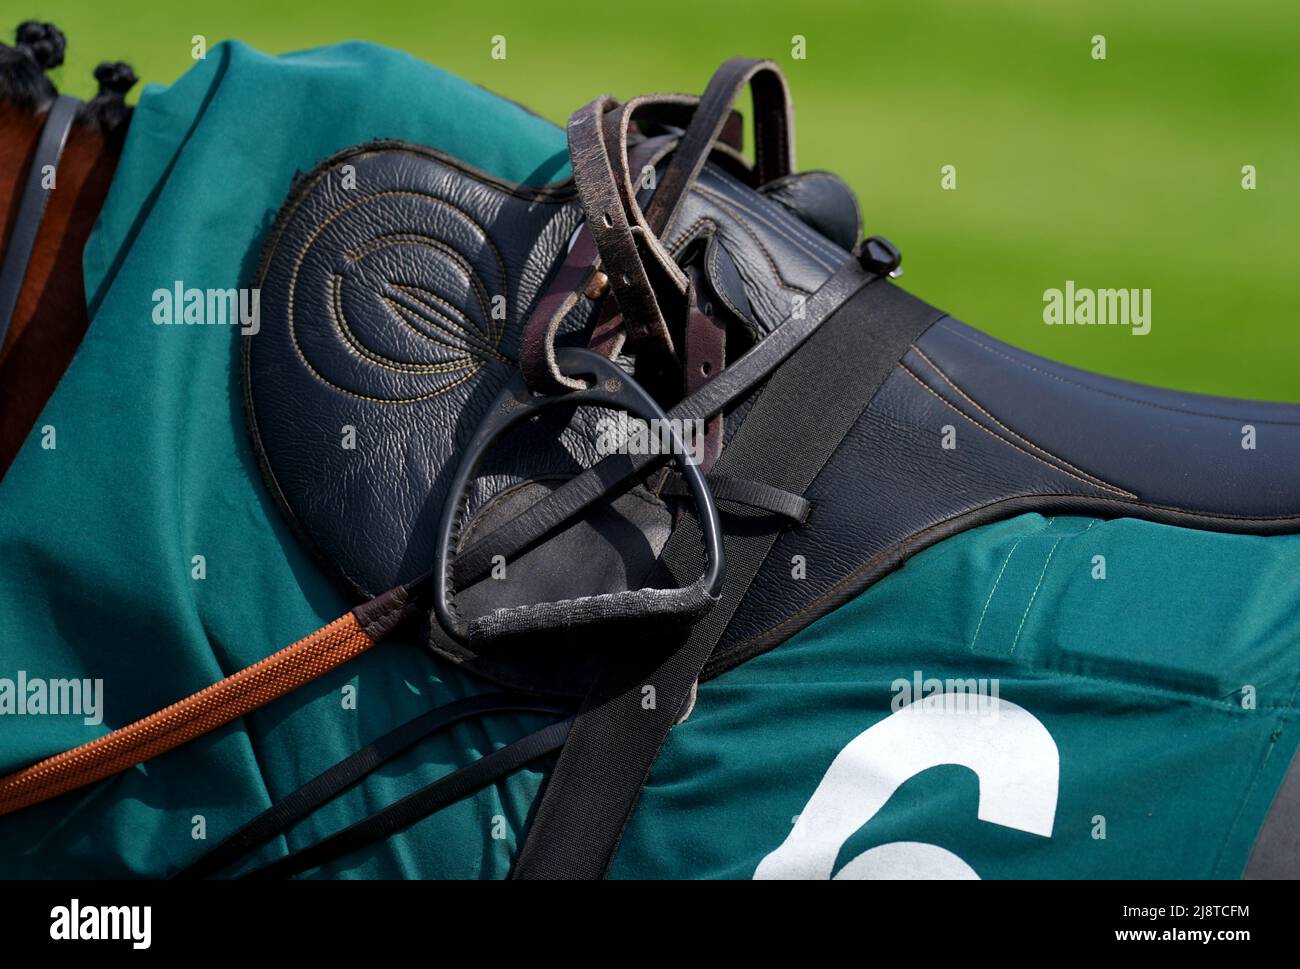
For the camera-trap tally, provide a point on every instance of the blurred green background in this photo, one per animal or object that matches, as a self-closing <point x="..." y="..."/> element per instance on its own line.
<point x="1117" y="173"/>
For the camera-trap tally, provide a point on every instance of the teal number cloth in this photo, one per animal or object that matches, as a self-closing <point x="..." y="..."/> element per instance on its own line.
<point x="1145" y="676"/>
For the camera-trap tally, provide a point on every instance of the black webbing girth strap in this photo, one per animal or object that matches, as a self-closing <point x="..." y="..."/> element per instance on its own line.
<point x="785" y="440"/>
<point x="755" y="495"/>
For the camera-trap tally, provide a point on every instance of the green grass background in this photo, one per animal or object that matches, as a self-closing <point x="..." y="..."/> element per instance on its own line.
<point x="1119" y="173"/>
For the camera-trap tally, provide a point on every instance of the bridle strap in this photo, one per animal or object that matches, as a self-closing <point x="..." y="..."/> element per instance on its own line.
<point x="31" y="206"/>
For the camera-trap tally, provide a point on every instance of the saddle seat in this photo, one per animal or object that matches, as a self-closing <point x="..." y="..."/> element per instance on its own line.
<point x="1192" y="452"/>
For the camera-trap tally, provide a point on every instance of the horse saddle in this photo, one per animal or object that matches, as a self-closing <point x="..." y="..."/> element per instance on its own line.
<point x="494" y="384"/>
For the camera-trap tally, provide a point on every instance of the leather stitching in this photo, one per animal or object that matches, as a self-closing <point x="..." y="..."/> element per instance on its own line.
<point x="783" y="221"/>
<point x="714" y="248"/>
<point x="389" y="239"/>
<point x="791" y="230"/>
<point x="426" y="309"/>
<point x="965" y="396"/>
<point x="388" y="363"/>
<point x="465" y="265"/>
<point x="361" y="352"/>
<point x="1127" y="494"/>
<point x="1111" y="393"/>
<point x="758" y="244"/>
<point x="691" y="233"/>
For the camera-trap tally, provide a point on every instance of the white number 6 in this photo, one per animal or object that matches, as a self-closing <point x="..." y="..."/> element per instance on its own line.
<point x="1010" y="751"/>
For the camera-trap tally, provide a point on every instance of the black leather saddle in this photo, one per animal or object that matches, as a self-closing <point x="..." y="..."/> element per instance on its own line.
<point x="840" y="421"/>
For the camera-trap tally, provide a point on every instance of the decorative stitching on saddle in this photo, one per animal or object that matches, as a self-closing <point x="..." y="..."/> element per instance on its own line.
<point x="715" y="247"/>
<point x="480" y="291"/>
<point x="430" y="307"/>
<point x="437" y="200"/>
<point x="692" y="231"/>
<point x="387" y="363"/>
<point x="1111" y="393"/>
<point x="300" y="256"/>
<point x="929" y="390"/>
<point x="1055" y="457"/>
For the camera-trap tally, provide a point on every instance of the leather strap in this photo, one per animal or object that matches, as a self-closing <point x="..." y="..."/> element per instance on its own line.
<point x="784" y="442"/>
<point x="580" y="274"/>
<point x="447" y="790"/>
<point x="579" y="271"/>
<point x="562" y="504"/>
<point x="350" y="771"/>
<point x="706" y="356"/>
<point x="773" y="133"/>
<point x="638" y="268"/>
<point x="611" y="216"/>
<point x="31" y="206"/>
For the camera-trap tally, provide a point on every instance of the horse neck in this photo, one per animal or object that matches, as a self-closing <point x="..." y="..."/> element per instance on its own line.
<point x="53" y="279"/>
<point x="50" y="318"/>
<point x="19" y="130"/>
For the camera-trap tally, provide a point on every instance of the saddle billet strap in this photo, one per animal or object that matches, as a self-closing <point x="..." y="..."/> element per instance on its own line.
<point x="610" y="218"/>
<point x="350" y="771"/>
<point x="558" y="507"/>
<point x="705" y="356"/>
<point x="214" y="706"/>
<point x="579" y="275"/>
<point x="784" y="442"/>
<point x="31" y="206"/>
